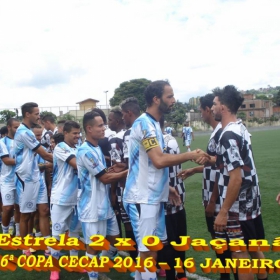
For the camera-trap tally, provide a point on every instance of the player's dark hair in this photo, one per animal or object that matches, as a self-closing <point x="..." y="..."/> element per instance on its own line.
<point x="36" y="125"/>
<point x="101" y="113"/>
<point x="154" y="89"/>
<point x="4" y="130"/>
<point x="230" y="97"/>
<point x="58" y="137"/>
<point x="117" y="111"/>
<point x="11" y="120"/>
<point x="28" y="108"/>
<point x="69" y="125"/>
<point x="48" y="117"/>
<point x="89" y="118"/>
<point x="206" y="101"/>
<point x="131" y="104"/>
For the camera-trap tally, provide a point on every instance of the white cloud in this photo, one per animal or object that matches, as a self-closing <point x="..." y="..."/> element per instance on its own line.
<point x="60" y="52"/>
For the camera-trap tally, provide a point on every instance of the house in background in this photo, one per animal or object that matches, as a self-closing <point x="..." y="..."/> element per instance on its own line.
<point x="256" y="108"/>
<point x="84" y="106"/>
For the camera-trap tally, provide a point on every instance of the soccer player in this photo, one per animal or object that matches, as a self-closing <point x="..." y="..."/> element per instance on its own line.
<point x="188" y="135"/>
<point x="43" y="191"/>
<point x="104" y="142"/>
<point x="48" y="122"/>
<point x="175" y="214"/>
<point x="209" y="173"/>
<point x="238" y="185"/>
<point x="168" y="129"/>
<point x="60" y="125"/>
<point x="146" y="187"/>
<point x="27" y="171"/>
<point x="7" y="182"/>
<point x="65" y="188"/>
<point x="116" y="123"/>
<point x="94" y="207"/>
<point x="130" y="112"/>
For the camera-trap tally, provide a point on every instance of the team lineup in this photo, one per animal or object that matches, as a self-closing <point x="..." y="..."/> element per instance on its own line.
<point x="127" y="174"/>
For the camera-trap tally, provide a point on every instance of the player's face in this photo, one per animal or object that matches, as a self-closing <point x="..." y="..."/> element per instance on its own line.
<point x="167" y="100"/>
<point x="97" y="130"/>
<point x="13" y="128"/>
<point x="52" y="144"/>
<point x="126" y="118"/>
<point x="34" y="117"/>
<point x="217" y="109"/>
<point x="38" y="133"/>
<point x="112" y="122"/>
<point x="205" y="114"/>
<point x="47" y="125"/>
<point x="72" y="137"/>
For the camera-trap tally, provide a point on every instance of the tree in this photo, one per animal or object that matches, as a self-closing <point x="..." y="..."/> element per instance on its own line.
<point x="241" y="115"/>
<point x="133" y="88"/>
<point x="6" y="114"/>
<point x="178" y="113"/>
<point x="67" y="117"/>
<point x="275" y="99"/>
<point x="44" y="113"/>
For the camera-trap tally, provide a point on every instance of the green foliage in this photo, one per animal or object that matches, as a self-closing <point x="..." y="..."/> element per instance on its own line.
<point x="274" y="119"/>
<point x="133" y="88"/>
<point x="262" y="97"/>
<point x="6" y="114"/>
<point x="178" y="114"/>
<point x="67" y="117"/>
<point x="44" y="113"/>
<point x="276" y="98"/>
<point x="241" y="115"/>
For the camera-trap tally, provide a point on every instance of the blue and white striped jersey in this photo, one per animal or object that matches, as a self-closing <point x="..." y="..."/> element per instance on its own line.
<point x="93" y="196"/>
<point x="187" y="130"/>
<point x="145" y="183"/>
<point x="65" y="179"/>
<point x="7" y="171"/>
<point x="25" y="146"/>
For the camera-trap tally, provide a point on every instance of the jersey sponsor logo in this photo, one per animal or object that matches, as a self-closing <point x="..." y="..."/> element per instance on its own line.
<point x="150" y="143"/>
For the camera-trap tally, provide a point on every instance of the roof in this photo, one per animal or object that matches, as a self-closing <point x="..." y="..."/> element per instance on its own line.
<point x="89" y="99"/>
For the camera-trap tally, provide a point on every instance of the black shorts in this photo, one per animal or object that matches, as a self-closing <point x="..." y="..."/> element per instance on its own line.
<point x="246" y="230"/>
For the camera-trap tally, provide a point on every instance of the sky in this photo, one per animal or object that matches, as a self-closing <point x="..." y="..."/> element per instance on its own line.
<point x="60" y="52"/>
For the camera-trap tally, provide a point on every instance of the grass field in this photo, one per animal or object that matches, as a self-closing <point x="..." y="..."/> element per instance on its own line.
<point x="267" y="158"/>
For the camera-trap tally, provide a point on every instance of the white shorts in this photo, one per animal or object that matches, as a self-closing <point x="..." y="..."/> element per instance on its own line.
<point x="64" y="218"/>
<point x="27" y="193"/>
<point x="104" y="227"/>
<point x="8" y="194"/>
<point x="146" y="219"/>
<point x="188" y="142"/>
<point x="43" y="193"/>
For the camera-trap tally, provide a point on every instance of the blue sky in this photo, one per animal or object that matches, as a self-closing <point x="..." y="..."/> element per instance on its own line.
<point x="60" y="52"/>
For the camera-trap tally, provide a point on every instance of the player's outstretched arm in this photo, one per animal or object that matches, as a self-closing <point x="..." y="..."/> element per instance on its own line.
<point x="161" y="160"/>
<point x="8" y="160"/>
<point x="184" y="174"/>
<point x="110" y="177"/>
<point x="44" y="154"/>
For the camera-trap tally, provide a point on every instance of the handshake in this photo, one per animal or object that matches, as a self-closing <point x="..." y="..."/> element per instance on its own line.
<point x="200" y="157"/>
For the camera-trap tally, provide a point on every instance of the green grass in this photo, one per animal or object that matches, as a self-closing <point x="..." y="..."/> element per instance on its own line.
<point x="267" y="158"/>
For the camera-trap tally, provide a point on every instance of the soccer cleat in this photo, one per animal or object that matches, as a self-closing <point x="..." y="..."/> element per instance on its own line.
<point x="32" y="250"/>
<point x="54" y="275"/>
